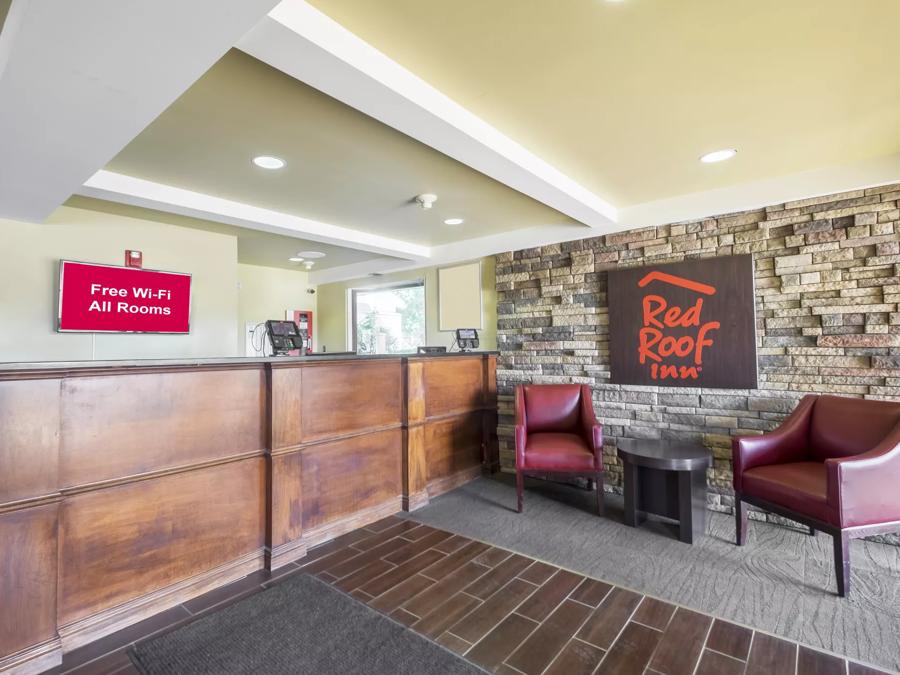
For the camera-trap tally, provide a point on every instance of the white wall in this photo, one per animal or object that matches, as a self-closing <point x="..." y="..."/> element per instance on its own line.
<point x="266" y="292"/>
<point x="28" y="286"/>
<point x="334" y="309"/>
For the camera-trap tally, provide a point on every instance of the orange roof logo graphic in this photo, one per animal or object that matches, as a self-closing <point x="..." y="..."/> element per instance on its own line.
<point x="695" y="286"/>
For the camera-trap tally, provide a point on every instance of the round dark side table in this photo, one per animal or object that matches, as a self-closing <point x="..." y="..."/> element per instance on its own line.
<point x="667" y="479"/>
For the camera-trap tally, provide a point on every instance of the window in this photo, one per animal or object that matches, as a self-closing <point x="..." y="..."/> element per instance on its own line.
<point x="390" y="319"/>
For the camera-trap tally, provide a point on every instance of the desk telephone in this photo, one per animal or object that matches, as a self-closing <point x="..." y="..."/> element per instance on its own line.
<point x="284" y="336"/>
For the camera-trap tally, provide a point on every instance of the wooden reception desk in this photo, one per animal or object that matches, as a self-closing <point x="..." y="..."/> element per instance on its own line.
<point x="129" y="487"/>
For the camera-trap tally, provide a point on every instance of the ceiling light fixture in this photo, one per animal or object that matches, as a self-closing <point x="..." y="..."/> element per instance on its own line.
<point x="718" y="156"/>
<point x="269" y="162"/>
<point x="296" y="259"/>
<point x="311" y="254"/>
<point x="454" y="221"/>
<point x="309" y="264"/>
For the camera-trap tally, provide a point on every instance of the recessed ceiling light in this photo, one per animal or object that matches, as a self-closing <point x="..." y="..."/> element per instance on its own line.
<point x="718" y="155"/>
<point x="268" y="162"/>
<point x="311" y="254"/>
<point x="296" y="259"/>
<point x="454" y="221"/>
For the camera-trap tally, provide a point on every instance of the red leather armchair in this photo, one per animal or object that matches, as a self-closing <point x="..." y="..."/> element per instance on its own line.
<point x="833" y="465"/>
<point x="557" y="433"/>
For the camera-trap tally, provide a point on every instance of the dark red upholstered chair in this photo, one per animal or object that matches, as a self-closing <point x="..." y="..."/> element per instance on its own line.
<point x="833" y="465"/>
<point x="557" y="434"/>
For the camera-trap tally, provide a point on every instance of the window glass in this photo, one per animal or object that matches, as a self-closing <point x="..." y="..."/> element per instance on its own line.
<point x="389" y="320"/>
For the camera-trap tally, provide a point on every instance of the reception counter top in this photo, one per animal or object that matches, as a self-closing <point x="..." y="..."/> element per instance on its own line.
<point x="127" y="487"/>
<point x="223" y="360"/>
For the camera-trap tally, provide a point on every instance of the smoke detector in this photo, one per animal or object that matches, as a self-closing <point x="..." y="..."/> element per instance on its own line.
<point x="427" y="200"/>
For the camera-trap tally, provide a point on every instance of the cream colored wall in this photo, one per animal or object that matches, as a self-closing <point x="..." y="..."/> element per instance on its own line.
<point x="333" y="302"/>
<point x="266" y="292"/>
<point x="29" y="279"/>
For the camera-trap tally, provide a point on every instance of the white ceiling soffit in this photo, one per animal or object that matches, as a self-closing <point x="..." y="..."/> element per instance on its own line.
<point x="123" y="189"/>
<point x="79" y="80"/>
<point x="303" y="42"/>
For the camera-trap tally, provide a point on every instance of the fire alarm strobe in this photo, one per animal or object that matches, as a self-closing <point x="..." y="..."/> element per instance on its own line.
<point x="134" y="259"/>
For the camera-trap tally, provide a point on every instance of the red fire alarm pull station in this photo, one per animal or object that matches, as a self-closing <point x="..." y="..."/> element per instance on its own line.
<point x="134" y="259"/>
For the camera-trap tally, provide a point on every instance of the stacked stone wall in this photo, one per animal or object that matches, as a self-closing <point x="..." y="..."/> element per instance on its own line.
<point x="827" y="309"/>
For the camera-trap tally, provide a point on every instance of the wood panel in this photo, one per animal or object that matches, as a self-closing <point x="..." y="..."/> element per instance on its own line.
<point x="286" y="502"/>
<point x="29" y="438"/>
<point x="121" y="425"/>
<point x="453" y="385"/>
<point x="415" y="469"/>
<point x="286" y="388"/>
<point x="415" y="392"/>
<point x="27" y="577"/>
<point x="453" y="445"/>
<point x="123" y="542"/>
<point x="350" y="397"/>
<point x="342" y="477"/>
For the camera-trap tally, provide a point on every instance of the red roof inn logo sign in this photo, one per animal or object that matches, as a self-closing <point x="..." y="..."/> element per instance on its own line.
<point x="687" y="324"/>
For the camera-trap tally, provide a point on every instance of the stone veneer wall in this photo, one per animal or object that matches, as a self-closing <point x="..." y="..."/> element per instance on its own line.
<point x="827" y="294"/>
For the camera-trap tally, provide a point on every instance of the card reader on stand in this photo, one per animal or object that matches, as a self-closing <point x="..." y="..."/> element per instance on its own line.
<point x="466" y="339"/>
<point x="285" y="337"/>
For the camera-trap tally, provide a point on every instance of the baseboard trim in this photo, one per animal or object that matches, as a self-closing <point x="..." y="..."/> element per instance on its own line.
<point x="285" y="554"/>
<point x="359" y="519"/>
<point x="34" y="659"/>
<point x="439" y="486"/>
<point x="415" y="501"/>
<point x="82" y="631"/>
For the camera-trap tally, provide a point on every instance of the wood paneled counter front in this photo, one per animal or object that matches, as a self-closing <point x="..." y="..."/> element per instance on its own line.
<point x="129" y="487"/>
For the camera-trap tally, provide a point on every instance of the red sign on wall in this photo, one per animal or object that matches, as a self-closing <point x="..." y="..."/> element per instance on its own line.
<point x="109" y="299"/>
<point x="687" y="324"/>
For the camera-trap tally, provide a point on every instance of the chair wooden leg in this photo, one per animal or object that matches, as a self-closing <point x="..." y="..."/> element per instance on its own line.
<point x="599" y="484"/>
<point x="842" y="562"/>
<point x="520" y="489"/>
<point x="740" y="521"/>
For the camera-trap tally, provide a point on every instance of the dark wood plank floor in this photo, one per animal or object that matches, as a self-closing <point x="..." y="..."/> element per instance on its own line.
<point x="503" y="611"/>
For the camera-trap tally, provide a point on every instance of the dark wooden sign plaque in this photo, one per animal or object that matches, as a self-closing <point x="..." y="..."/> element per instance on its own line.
<point x="686" y="324"/>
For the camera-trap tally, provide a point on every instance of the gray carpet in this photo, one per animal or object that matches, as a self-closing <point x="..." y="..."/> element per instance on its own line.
<point x="781" y="582"/>
<point x="302" y="625"/>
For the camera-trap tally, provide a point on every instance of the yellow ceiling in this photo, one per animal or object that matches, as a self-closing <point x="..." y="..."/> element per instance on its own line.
<point x="343" y="167"/>
<point x="625" y="96"/>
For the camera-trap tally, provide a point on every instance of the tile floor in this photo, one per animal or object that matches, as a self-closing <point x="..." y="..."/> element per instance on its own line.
<point x="506" y="612"/>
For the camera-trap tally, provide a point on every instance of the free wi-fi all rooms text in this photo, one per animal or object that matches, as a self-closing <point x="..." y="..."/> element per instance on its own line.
<point x="102" y="305"/>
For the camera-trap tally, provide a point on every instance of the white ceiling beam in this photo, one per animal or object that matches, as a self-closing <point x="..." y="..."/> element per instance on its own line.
<point x="303" y="42"/>
<point x="467" y="249"/>
<point x="79" y="80"/>
<point x="761" y="193"/>
<point x="116" y="187"/>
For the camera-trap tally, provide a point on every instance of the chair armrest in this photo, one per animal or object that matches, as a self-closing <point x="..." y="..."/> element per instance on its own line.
<point x="787" y="443"/>
<point x="864" y="487"/>
<point x="591" y="430"/>
<point x="521" y="426"/>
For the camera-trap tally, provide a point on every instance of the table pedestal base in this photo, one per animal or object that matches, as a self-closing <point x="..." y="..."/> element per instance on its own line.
<point x="675" y="495"/>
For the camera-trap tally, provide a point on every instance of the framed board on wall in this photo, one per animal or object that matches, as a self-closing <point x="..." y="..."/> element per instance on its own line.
<point x="686" y="324"/>
<point x="459" y="297"/>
